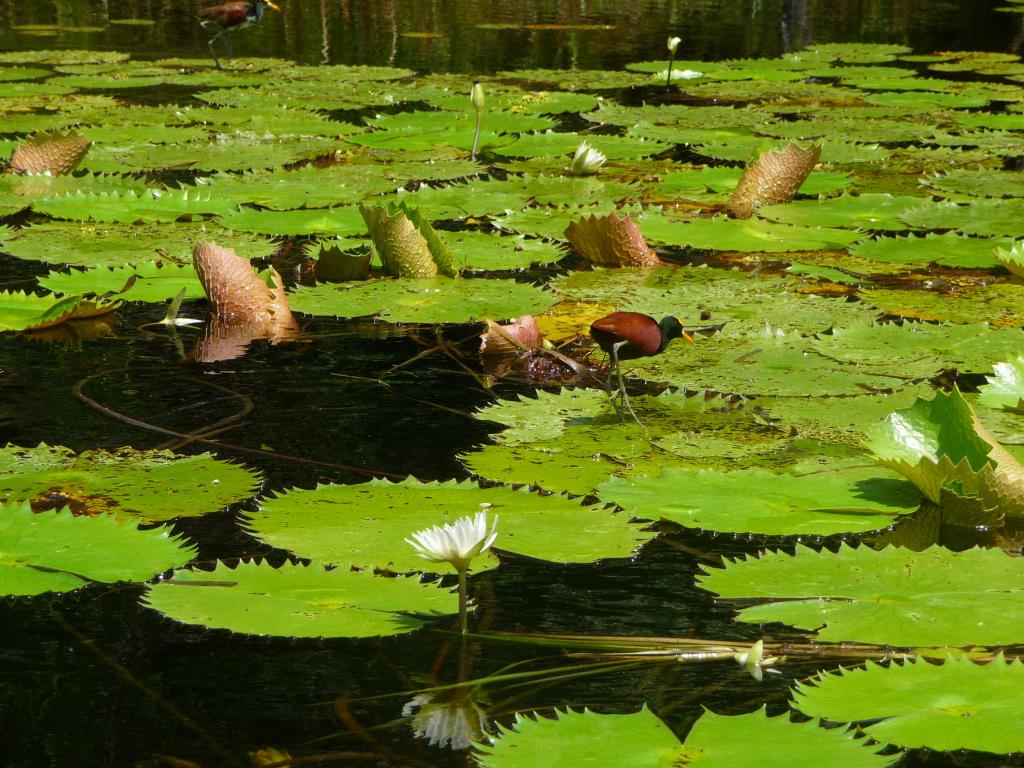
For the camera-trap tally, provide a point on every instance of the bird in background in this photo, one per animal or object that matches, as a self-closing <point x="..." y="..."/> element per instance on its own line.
<point x="627" y="336"/>
<point x="229" y="17"/>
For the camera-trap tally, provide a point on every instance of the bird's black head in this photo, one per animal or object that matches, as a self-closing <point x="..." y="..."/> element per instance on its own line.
<point x="671" y="328"/>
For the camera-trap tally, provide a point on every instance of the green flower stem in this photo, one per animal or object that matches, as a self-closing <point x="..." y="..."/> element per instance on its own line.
<point x="476" y="133"/>
<point x="463" y="613"/>
<point x="668" y="77"/>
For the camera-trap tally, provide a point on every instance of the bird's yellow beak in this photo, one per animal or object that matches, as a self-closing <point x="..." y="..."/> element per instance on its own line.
<point x="688" y="337"/>
<point x="273" y="5"/>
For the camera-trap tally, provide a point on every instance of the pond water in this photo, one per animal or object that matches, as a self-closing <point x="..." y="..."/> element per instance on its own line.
<point x="91" y="678"/>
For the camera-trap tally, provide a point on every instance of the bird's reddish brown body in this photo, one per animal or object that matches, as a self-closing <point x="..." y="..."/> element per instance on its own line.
<point x="228" y="15"/>
<point x="641" y="333"/>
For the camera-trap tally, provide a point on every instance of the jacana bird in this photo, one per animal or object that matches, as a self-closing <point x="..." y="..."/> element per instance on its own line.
<point x="228" y="17"/>
<point x="627" y="336"/>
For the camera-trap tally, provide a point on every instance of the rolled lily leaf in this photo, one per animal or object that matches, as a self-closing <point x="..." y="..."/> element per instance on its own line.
<point x="244" y="306"/>
<point x="773" y="177"/>
<point x="610" y="241"/>
<point x="407" y="244"/>
<point x="941" y="446"/>
<point x="237" y="294"/>
<point x="57" y="154"/>
<point x="334" y="265"/>
<point x="508" y="340"/>
<point x="1005" y="387"/>
<point x="1012" y="259"/>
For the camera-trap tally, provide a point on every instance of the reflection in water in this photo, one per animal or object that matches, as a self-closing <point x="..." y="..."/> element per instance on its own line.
<point x="451" y="720"/>
<point x="445" y="35"/>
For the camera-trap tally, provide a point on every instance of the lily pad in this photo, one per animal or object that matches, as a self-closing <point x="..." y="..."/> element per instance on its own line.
<point x="367" y="523"/>
<point x="150" y="206"/>
<point x="891" y="596"/>
<point x="56" y="551"/>
<point x="590" y="740"/>
<point x="437" y="300"/>
<point x="821" y="503"/>
<point x="151" y="485"/>
<point x="299" y="601"/>
<point x="952" y="706"/>
<point x="147" y="281"/>
<point x="115" y="245"/>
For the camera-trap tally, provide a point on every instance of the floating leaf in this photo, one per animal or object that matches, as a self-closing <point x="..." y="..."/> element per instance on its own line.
<point x="117" y="245"/>
<point x="144" y="282"/>
<point x="591" y="740"/>
<point x="56" y="551"/>
<point x="299" y="601"/>
<point x="952" y="706"/>
<point x="437" y="300"/>
<point x="152" y="485"/>
<point x="822" y="502"/>
<point x="367" y="523"/>
<point x="153" y="205"/>
<point x="890" y="597"/>
<point x="866" y="211"/>
<point x="949" y="249"/>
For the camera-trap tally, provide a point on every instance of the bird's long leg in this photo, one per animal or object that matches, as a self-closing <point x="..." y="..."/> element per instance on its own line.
<point x="213" y="51"/>
<point x="611" y="397"/>
<point x="231" y="46"/>
<point x="622" y="386"/>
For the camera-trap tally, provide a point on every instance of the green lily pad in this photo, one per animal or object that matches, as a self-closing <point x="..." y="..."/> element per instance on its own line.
<point x="551" y="143"/>
<point x="299" y="601"/>
<point x="756" y="501"/>
<point x="573" y="441"/>
<point x="115" y="245"/>
<point x="724" y="234"/>
<point x="952" y="706"/>
<point x="920" y="350"/>
<point x="150" y="206"/>
<point x="979" y="217"/>
<point x="437" y="300"/>
<point x="151" y="485"/>
<point x="368" y="523"/>
<point x="344" y="221"/>
<point x="56" y="551"/>
<point x="476" y="250"/>
<point x="949" y="249"/>
<point x="891" y="596"/>
<point x="24" y="311"/>
<point x="147" y="281"/>
<point x="591" y="740"/>
<point x="1000" y="304"/>
<point x="868" y="211"/>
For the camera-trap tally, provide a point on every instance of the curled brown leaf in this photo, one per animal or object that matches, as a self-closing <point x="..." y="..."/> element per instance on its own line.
<point x="774" y="177"/>
<point x="611" y="241"/>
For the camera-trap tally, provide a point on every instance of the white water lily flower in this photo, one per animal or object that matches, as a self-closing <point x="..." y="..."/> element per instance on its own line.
<point x="587" y="161"/>
<point x="456" y="543"/>
<point x="754" y="662"/>
<point x="673" y="44"/>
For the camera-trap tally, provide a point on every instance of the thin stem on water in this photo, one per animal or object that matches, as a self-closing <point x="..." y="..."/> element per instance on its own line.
<point x="476" y="133"/>
<point x="668" y="77"/>
<point x="463" y="613"/>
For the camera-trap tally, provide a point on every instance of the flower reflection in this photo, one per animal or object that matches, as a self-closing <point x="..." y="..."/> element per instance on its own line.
<point x="454" y="723"/>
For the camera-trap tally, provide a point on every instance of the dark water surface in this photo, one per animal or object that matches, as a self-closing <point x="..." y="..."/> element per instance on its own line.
<point x="444" y="35"/>
<point x="93" y="679"/>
